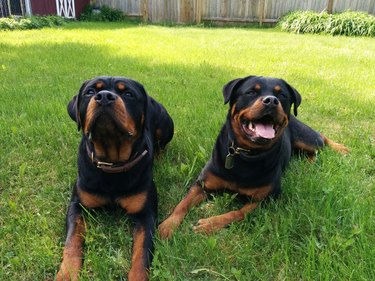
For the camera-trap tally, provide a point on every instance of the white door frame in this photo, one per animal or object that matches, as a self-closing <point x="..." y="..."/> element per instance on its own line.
<point x="28" y="8"/>
<point x="66" y="8"/>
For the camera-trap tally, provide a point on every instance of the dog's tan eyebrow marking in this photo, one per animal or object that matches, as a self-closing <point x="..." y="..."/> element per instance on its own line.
<point x="277" y="88"/>
<point x="257" y="87"/>
<point x="99" y="85"/>
<point x="121" y="86"/>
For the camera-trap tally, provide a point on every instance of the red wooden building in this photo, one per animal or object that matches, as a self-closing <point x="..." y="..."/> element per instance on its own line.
<point x="64" y="8"/>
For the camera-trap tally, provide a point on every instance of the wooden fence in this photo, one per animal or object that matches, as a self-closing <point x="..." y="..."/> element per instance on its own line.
<point x="262" y="11"/>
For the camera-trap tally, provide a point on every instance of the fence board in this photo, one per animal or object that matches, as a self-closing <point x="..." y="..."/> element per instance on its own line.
<point x="354" y="5"/>
<point x="190" y="11"/>
<point x="129" y="7"/>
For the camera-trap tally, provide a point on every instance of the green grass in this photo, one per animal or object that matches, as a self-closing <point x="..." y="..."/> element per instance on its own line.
<point x="321" y="228"/>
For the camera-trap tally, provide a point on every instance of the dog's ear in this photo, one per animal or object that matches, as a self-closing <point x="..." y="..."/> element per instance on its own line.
<point x="147" y="101"/>
<point x="232" y="86"/>
<point x="296" y="97"/>
<point x="229" y="88"/>
<point x="142" y="90"/>
<point x="73" y="106"/>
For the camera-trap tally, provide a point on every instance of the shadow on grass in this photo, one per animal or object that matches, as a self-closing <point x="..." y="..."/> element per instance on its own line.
<point x="101" y="25"/>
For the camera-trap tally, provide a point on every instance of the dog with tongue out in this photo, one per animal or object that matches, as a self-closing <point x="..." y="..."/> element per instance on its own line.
<point x="251" y="151"/>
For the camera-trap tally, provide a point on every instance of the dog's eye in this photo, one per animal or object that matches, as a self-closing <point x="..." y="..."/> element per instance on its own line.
<point x="90" y="92"/>
<point x="128" y="94"/>
<point x="251" y="93"/>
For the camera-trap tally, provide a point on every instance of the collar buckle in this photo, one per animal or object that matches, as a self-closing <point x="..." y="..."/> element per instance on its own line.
<point x="100" y="164"/>
<point x="232" y="150"/>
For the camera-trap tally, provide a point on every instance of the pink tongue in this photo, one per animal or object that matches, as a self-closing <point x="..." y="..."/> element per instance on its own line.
<point x="264" y="130"/>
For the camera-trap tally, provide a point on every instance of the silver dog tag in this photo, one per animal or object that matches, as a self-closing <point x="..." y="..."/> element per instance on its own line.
<point x="229" y="160"/>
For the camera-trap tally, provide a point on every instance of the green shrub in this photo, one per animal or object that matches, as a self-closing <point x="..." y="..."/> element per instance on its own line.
<point x="348" y="23"/>
<point x="34" y="22"/>
<point x="7" y="24"/>
<point x="104" y="13"/>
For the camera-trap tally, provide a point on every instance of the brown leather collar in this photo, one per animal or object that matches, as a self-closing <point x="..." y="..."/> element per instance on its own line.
<point x="114" y="168"/>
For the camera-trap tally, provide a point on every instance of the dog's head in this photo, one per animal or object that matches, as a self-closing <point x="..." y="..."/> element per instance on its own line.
<point x="259" y="109"/>
<point x="111" y="112"/>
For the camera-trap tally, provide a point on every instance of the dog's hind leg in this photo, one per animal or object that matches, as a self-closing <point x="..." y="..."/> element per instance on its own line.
<point x="305" y="139"/>
<point x="338" y="147"/>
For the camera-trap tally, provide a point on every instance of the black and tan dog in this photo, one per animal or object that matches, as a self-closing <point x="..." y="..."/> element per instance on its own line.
<point x="252" y="149"/>
<point x="121" y="128"/>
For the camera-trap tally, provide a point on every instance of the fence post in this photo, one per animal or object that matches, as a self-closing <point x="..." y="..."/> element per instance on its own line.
<point x="371" y="8"/>
<point x="144" y="10"/>
<point x="198" y="11"/>
<point x="223" y="9"/>
<point x="261" y="11"/>
<point x="183" y="9"/>
<point x="330" y="6"/>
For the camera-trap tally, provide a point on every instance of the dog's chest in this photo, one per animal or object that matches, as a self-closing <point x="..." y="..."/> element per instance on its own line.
<point x="131" y="203"/>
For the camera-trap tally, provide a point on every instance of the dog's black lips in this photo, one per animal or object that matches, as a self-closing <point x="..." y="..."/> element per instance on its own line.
<point x="104" y="121"/>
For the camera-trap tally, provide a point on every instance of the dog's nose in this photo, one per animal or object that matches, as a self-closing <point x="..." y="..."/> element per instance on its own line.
<point x="270" y="101"/>
<point x="105" y="97"/>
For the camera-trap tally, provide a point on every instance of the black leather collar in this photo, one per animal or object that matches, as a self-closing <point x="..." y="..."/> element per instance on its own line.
<point x="118" y="167"/>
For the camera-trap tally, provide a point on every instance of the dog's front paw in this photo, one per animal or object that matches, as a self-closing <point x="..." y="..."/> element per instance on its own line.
<point x="208" y="226"/>
<point x="167" y="227"/>
<point x="65" y="274"/>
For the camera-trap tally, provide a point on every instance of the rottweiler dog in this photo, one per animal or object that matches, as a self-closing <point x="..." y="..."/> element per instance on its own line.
<point x="253" y="148"/>
<point x="122" y="127"/>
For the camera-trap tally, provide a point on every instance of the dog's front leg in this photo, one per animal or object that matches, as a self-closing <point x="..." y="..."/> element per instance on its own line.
<point x="72" y="254"/>
<point x="143" y="246"/>
<point x="194" y="197"/>
<point x="215" y="223"/>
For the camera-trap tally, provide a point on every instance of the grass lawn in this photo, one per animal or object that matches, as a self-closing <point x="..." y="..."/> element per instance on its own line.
<point x="321" y="228"/>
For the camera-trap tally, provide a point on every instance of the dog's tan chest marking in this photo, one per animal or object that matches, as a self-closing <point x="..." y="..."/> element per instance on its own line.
<point x="213" y="182"/>
<point x="90" y="200"/>
<point x="134" y="203"/>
